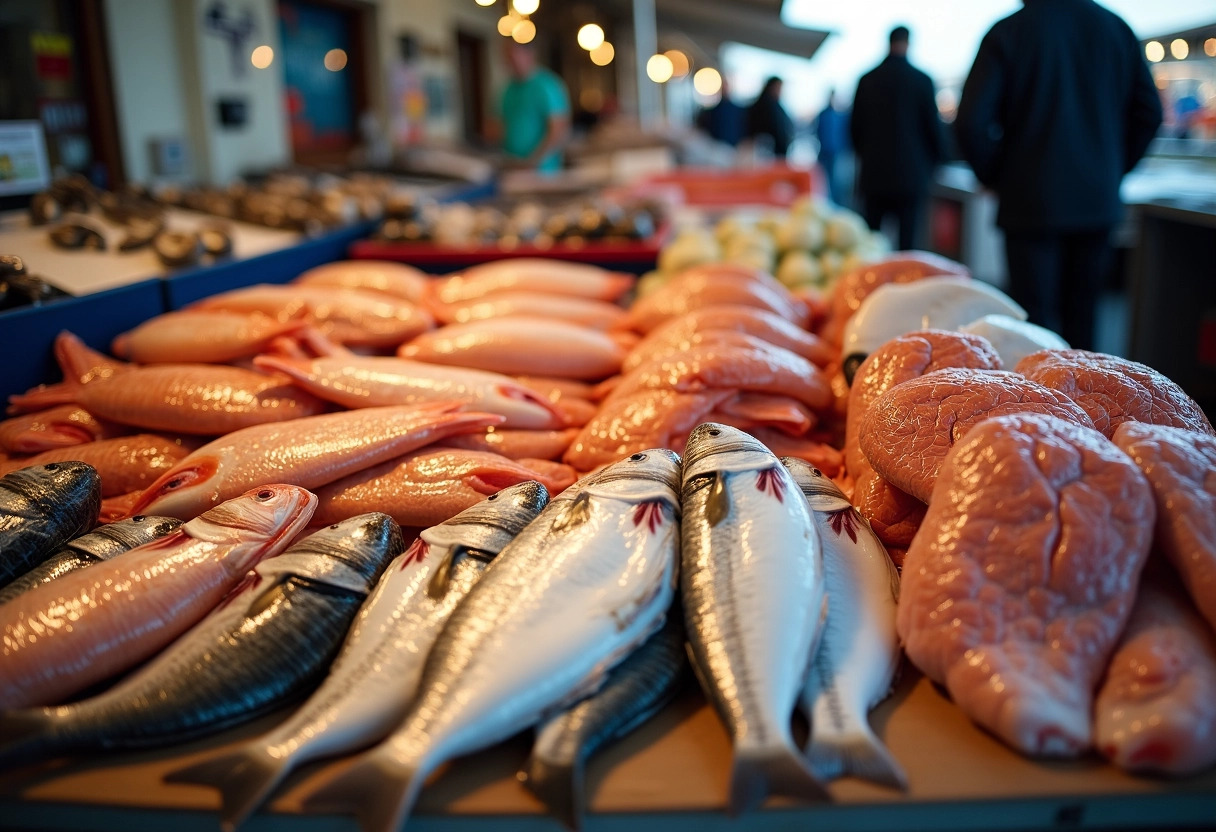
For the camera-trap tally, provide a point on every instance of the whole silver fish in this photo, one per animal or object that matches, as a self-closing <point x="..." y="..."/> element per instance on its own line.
<point x="101" y="544"/>
<point x="636" y="690"/>
<point x="588" y="581"/>
<point x="374" y="678"/>
<point x="269" y="640"/>
<point x="41" y="508"/>
<point x="859" y="653"/>
<point x="752" y="584"/>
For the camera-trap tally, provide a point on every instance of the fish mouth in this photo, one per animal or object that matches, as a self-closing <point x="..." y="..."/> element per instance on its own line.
<point x="710" y="439"/>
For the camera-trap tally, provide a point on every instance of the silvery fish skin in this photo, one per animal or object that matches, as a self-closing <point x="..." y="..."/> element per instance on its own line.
<point x="41" y="508"/>
<point x="752" y="584"/>
<point x="375" y="676"/>
<point x="588" y="581"/>
<point x="636" y="690"/>
<point x="102" y="544"/>
<point x="859" y="653"/>
<point x="269" y="640"/>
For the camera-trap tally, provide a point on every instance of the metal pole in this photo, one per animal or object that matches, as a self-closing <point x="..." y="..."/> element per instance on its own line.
<point x="646" y="42"/>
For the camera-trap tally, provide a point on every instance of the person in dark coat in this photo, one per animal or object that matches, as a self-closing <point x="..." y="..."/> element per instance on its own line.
<point x="726" y="121"/>
<point x="1058" y="106"/>
<point x="766" y="117"/>
<point x="898" y="139"/>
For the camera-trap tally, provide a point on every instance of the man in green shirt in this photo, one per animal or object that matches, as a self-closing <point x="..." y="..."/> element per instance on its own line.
<point x="535" y="111"/>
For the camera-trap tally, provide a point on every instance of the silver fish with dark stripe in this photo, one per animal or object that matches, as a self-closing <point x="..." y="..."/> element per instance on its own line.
<point x="41" y="508"/>
<point x="636" y="690"/>
<point x="101" y="544"/>
<point x="269" y="641"/>
<point x="752" y="584"/>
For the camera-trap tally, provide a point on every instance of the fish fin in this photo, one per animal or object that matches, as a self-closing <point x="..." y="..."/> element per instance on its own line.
<point x="578" y="512"/>
<point x="441" y="577"/>
<point x="760" y="772"/>
<point x="859" y="754"/>
<point x="28" y="736"/>
<point x="244" y="779"/>
<point x="379" y="792"/>
<point x="559" y="786"/>
<point x="44" y="396"/>
<point x="718" y="507"/>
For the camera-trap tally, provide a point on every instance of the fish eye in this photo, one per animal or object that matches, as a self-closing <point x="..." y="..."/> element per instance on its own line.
<point x="174" y="483"/>
<point x="265" y="494"/>
<point x="52" y="466"/>
<point x="714" y="432"/>
<point x="139" y="518"/>
<point x="637" y="457"/>
<point x="334" y="526"/>
<point x="816" y="472"/>
<point x="492" y="497"/>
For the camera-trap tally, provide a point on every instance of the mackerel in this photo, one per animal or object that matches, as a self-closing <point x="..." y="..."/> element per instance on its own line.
<point x="41" y="508"/>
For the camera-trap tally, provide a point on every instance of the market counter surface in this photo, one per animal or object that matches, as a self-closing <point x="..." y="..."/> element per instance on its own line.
<point x="673" y="771"/>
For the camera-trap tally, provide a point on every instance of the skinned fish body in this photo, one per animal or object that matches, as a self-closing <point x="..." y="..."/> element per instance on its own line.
<point x="595" y="314"/>
<point x="532" y="274"/>
<point x="636" y="690"/>
<point x="752" y="583"/>
<point x="583" y="585"/>
<point x="59" y="638"/>
<point x="396" y="279"/>
<point x="125" y="463"/>
<point x="97" y="546"/>
<point x="376" y="674"/>
<point x="307" y="452"/>
<point x="41" y="508"/>
<point x="859" y="652"/>
<point x="201" y="337"/>
<point x="268" y="641"/>
<point x="59" y="427"/>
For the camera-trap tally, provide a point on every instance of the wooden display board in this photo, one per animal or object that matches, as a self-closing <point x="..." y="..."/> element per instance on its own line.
<point x="673" y="771"/>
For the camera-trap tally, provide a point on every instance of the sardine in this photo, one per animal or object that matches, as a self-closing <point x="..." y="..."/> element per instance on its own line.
<point x="41" y="508"/>
<point x="104" y="543"/>
<point x="269" y="641"/>
<point x="375" y="676"/>
<point x="859" y="653"/>
<point x="308" y="452"/>
<point x="589" y="580"/>
<point x="636" y="690"/>
<point x="60" y="638"/>
<point x="752" y="583"/>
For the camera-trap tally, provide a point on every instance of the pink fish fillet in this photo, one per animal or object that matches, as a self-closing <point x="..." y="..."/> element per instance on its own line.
<point x="1023" y="575"/>
<point x="125" y="463"/>
<point x="204" y="399"/>
<point x="748" y="411"/>
<point x="820" y="454"/>
<point x="699" y="324"/>
<point x="427" y="487"/>
<point x="85" y="627"/>
<point x="532" y="274"/>
<point x="697" y="289"/>
<point x="594" y="314"/>
<point x="1181" y="467"/>
<point x="352" y="317"/>
<point x="521" y="345"/>
<point x="59" y="427"/>
<point x="374" y="381"/>
<point x="308" y="452"/>
<point x="201" y="337"/>
<point x="396" y="279"/>
<point x="1156" y="710"/>
<point x="517" y="444"/>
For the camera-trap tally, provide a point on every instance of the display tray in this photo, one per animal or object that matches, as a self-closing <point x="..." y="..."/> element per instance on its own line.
<point x="674" y="769"/>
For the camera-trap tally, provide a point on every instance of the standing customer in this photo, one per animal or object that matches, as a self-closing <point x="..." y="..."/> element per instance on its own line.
<point x="535" y="111"/>
<point x="726" y="120"/>
<point x="768" y="118"/>
<point x="1058" y="106"/>
<point x="831" y="128"/>
<point x="898" y="138"/>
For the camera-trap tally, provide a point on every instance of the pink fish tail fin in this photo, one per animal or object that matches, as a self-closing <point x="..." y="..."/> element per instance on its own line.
<point x="244" y="779"/>
<point x="857" y="753"/>
<point x="760" y="771"/>
<point x="558" y="785"/>
<point x="380" y="792"/>
<point x="44" y="396"/>
<point x="76" y="359"/>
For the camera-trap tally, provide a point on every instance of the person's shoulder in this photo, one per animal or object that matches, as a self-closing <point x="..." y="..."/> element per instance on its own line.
<point x="1114" y="21"/>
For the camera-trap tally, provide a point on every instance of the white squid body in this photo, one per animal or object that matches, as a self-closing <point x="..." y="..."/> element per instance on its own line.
<point x="933" y="303"/>
<point x="855" y="664"/>
<point x="1013" y="339"/>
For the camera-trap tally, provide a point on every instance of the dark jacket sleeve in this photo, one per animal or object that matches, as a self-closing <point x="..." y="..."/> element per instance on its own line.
<point x="978" y="126"/>
<point x="858" y="117"/>
<point x="931" y="121"/>
<point x="1143" y="111"/>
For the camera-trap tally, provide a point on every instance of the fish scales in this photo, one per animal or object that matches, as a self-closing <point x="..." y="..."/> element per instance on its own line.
<point x="42" y="507"/>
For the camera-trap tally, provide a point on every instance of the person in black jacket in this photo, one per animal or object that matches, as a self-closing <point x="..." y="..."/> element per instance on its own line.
<point x="766" y="117"/>
<point x="898" y="138"/>
<point x="1058" y="106"/>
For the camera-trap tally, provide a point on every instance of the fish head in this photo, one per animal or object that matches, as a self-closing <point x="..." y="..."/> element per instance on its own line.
<point x="652" y="474"/>
<point x="115" y="538"/>
<point x="350" y="553"/>
<point x="522" y="406"/>
<point x="491" y="524"/>
<point x="269" y="514"/>
<point x="56" y="484"/>
<point x="184" y="491"/>
<point x="714" y="448"/>
<point x="821" y="493"/>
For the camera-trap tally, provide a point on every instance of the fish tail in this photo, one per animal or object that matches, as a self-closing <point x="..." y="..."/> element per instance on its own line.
<point x="244" y="779"/>
<point x="559" y="785"/>
<point x="43" y="397"/>
<point x="379" y="790"/>
<point x="762" y="771"/>
<point x="28" y="735"/>
<point x="857" y="753"/>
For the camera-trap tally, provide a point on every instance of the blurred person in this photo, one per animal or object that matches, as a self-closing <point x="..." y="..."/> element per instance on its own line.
<point x="1058" y="106"/>
<point x="1187" y="112"/>
<point x="534" y="111"/>
<point x="898" y="138"/>
<point x="766" y="117"/>
<point x="725" y="121"/>
<point x="832" y="131"/>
